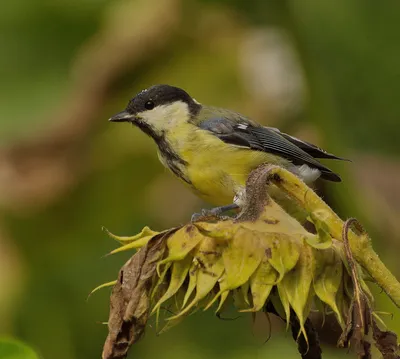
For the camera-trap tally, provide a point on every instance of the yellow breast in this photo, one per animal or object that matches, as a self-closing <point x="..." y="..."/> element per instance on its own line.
<point x="216" y="170"/>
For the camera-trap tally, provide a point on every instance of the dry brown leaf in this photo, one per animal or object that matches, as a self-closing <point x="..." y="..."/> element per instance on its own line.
<point x="386" y="342"/>
<point x="130" y="298"/>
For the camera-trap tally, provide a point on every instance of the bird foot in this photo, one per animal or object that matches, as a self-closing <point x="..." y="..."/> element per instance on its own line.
<point x="214" y="213"/>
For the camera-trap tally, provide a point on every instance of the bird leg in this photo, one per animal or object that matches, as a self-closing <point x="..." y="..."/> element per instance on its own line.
<point x="213" y="212"/>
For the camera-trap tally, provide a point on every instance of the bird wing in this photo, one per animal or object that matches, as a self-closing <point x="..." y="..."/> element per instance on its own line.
<point x="250" y="135"/>
<point x="308" y="147"/>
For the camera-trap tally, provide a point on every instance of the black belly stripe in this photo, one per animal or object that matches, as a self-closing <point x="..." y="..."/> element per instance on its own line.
<point x="172" y="160"/>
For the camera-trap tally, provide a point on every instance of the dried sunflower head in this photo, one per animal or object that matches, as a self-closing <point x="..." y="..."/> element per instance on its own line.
<point x="264" y="260"/>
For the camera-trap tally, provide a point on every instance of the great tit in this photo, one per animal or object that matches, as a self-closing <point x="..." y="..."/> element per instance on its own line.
<point x="213" y="150"/>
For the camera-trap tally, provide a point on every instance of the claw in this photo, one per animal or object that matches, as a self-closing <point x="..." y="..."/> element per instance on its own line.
<point x="196" y="217"/>
<point x="205" y="215"/>
<point x="210" y="212"/>
<point x="214" y="213"/>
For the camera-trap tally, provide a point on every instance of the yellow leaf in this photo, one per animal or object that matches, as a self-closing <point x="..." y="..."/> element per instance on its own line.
<point x="296" y="285"/>
<point x="178" y="276"/>
<point x="210" y="269"/>
<point x="160" y="281"/>
<point x="101" y="286"/>
<point x="327" y="279"/>
<point x="241" y="257"/>
<point x="281" y="304"/>
<point x="139" y="243"/>
<point x="261" y="283"/>
<point x="181" y="242"/>
<point x="323" y="239"/>
<point x="221" y="230"/>
<point x="222" y="294"/>
<point x="146" y="231"/>
<point x="282" y="251"/>
<point x="193" y="271"/>
<point x="222" y="300"/>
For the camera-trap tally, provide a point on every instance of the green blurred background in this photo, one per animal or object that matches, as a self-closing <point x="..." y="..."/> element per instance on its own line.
<point x="327" y="71"/>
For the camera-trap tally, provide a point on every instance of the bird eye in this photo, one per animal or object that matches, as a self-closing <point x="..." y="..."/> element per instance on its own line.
<point x="149" y="105"/>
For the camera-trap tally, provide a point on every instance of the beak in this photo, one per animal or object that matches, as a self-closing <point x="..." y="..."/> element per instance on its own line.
<point x="122" y="116"/>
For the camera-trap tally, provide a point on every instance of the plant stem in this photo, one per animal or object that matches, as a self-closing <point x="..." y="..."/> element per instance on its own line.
<point x="360" y="244"/>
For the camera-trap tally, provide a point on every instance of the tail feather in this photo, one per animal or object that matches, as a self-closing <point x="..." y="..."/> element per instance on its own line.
<point x="330" y="176"/>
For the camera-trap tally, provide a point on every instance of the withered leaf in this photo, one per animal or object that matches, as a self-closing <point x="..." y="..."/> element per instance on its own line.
<point x="359" y="317"/>
<point x="130" y="298"/>
<point x="386" y="342"/>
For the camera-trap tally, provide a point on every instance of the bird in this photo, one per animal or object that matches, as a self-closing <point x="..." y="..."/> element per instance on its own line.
<point x="213" y="150"/>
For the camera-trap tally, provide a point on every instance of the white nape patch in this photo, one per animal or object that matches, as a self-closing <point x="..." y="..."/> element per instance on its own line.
<point x="165" y="117"/>
<point x="195" y="101"/>
<point x="242" y="126"/>
<point x="308" y="174"/>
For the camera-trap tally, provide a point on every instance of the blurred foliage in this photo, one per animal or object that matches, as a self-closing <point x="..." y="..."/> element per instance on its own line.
<point x="51" y="243"/>
<point x="39" y="40"/>
<point x="12" y="349"/>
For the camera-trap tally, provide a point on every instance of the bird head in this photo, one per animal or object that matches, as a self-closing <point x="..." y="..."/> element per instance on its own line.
<point x="158" y="109"/>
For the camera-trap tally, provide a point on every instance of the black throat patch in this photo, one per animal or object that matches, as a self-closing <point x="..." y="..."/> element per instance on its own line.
<point x="146" y="128"/>
<point x="170" y="157"/>
<point x="172" y="160"/>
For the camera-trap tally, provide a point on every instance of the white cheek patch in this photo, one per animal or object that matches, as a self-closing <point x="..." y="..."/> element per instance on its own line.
<point x="165" y="117"/>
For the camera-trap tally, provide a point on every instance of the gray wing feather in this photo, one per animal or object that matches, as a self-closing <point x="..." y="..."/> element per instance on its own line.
<point x="267" y="139"/>
<point x="308" y="147"/>
<point x="274" y="142"/>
